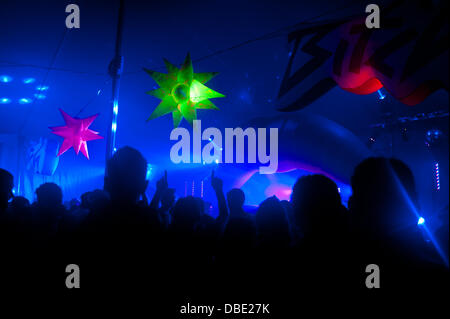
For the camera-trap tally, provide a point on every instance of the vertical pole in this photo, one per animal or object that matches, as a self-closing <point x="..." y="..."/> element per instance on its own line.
<point x="115" y="70"/>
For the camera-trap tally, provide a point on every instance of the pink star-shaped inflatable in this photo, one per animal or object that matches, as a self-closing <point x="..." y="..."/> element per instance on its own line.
<point x="76" y="133"/>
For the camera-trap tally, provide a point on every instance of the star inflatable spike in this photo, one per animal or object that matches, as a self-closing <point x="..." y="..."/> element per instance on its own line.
<point x="76" y="133"/>
<point x="182" y="92"/>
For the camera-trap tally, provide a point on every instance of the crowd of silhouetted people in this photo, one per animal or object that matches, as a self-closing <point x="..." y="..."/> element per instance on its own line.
<point x="120" y="239"/>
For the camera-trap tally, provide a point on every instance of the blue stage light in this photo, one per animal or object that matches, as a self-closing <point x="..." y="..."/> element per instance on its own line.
<point x="5" y="78"/>
<point x="29" y="80"/>
<point x="25" y="100"/>
<point x="40" y="96"/>
<point x="421" y="221"/>
<point x="5" y="100"/>
<point x="41" y="88"/>
<point x="149" y="172"/>
<point x="114" y="127"/>
<point x="381" y="95"/>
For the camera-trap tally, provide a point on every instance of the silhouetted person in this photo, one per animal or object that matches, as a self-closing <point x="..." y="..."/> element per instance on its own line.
<point x="6" y="217"/>
<point x="384" y="201"/>
<point x="124" y="231"/>
<point x="317" y="209"/>
<point x="48" y="209"/>
<point x="385" y="210"/>
<point x="272" y="226"/>
<point x="186" y="214"/>
<point x="125" y="178"/>
<point x="236" y="200"/>
<point x="239" y="238"/>
<point x="94" y="202"/>
<point x="6" y="186"/>
<point x="21" y="210"/>
<point x="14" y="238"/>
<point x="321" y="219"/>
<point x="273" y="242"/>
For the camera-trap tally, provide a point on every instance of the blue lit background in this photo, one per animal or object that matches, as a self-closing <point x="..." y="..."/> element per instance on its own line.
<point x="250" y="76"/>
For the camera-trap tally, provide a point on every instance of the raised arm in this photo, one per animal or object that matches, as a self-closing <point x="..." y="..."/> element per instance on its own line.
<point x="161" y="187"/>
<point x="217" y="185"/>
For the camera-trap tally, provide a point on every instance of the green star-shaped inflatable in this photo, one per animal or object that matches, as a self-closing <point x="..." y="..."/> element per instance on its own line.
<point x="182" y="92"/>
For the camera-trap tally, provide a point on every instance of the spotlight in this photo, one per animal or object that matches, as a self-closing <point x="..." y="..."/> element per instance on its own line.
<point x="381" y="95"/>
<point x="433" y="135"/>
<point x="42" y="88"/>
<point x="5" y="78"/>
<point x="24" y="100"/>
<point x="5" y="100"/>
<point x="29" y="80"/>
<point x="421" y="221"/>
<point x="40" y="96"/>
<point x="149" y="172"/>
<point x="371" y="141"/>
<point x="217" y="161"/>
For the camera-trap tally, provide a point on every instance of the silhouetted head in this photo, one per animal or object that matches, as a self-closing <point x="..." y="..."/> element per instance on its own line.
<point x="49" y="195"/>
<point x="21" y="208"/>
<point x="125" y="178"/>
<point x="73" y="204"/>
<point x="94" y="201"/>
<point x="271" y="219"/>
<point x="235" y="199"/>
<point x="20" y="202"/>
<point x="384" y="198"/>
<point x="6" y="186"/>
<point x="316" y="204"/>
<point x="186" y="213"/>
<point x="85" y="200"/>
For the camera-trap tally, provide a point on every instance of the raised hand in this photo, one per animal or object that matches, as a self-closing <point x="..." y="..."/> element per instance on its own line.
<point x="161" y="187"/>
<point x="168" y="198"/>
<point x="217" y="185"/>
<point x="162" y="184"/>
